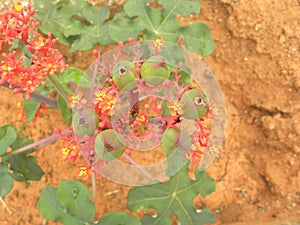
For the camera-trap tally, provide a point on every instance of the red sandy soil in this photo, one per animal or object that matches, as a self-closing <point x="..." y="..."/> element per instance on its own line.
<point x="257" y="63"/>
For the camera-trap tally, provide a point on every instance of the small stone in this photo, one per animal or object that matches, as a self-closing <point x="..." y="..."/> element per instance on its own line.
<point x="296" y="149"/>
<point x="282" y="39"/>
<point x="257" y="27"/>
<point x="268" y="122"/>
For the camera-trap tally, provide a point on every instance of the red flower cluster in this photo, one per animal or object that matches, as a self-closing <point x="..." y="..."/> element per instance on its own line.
<point x="25" y="74"/>
<point x="70" y="150"/>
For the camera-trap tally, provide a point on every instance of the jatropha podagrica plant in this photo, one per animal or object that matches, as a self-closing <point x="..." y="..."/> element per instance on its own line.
<point x="140" y="96"/>
<point x="135" y="100"/>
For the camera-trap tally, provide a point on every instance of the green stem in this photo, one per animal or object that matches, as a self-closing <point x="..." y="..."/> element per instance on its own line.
<point x="61" y="90"/>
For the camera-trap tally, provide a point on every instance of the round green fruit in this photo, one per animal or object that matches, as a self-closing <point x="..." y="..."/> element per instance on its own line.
<point x="170" y="140"/>
<point x="124" y="75"/>
<point x="85" y="122"/>
<point x="176" y="139"/>
<point x="109" y="145"/>
<point x="155" y="70"/>
<point x="194" y="104"/>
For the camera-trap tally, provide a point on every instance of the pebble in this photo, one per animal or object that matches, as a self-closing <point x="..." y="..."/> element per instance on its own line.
<point x="297" y="84"/>
<point x="296" y="149"/>
<point x="257" y="27"/>
<point x="268" y="122"/>
<point x="282" y="39"/>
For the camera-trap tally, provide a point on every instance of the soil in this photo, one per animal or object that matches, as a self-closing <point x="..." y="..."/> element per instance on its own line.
<point x="257" y="63"/>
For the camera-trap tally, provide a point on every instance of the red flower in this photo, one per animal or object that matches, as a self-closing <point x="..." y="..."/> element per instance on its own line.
<point x="45" y="60"/>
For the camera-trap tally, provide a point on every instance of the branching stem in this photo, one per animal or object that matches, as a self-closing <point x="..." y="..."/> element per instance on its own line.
<point x="46" y="141"/>
<point x="39" y="97"/>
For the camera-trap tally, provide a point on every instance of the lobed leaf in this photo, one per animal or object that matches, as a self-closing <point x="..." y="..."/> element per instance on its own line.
<point x="173" y="197"/>
<point x="24" y="167"/>
<point x="153" y="22"/>
<point x="69" y="203"/>
<point x="76" y="23"/>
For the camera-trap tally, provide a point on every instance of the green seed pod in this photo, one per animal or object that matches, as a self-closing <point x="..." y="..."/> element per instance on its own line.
<point x="85" y="122"/>
<point x="109" y="145"/>
<point x="155" y="70"/>
<point x="124" y="75"/>
<point x="194" y="104"/>
<point x="174" y="138"/>
<point x="170" y="140"/>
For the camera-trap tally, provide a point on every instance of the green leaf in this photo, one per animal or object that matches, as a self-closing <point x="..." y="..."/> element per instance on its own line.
<point x="15" y="45"/>
<point x="8" y="135"/>
<point x="75" y="75"/>
<point x="173" y="197"/>
<point x="118" y="218"/>
<point x="154" y="22"/>
<point x="6" y="181"/>
<point x="182" y="7"/>
<point x="24" y="167"/>
<point x="174" y="55"/>
<point x="69" y="203"/>
<point x="94" y="33"/>
<point x="30" y="107"/>
<point x="122" y="27"/>
<point x="197" y="38"/>
<point x="76" y="23"/>
<point x="66" y="112"/>
<point x="55" y="19"/>
<point x="165" y="109"/>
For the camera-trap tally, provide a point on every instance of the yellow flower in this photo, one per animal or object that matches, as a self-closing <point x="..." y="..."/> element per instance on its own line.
<point x="142" y="118"/>
<point x="18" y="7"/>
<point x="65" y="151"/>
<point x="175" y="108"/>
<point x="83" y="171"/>
<point x="104" y="100"/>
